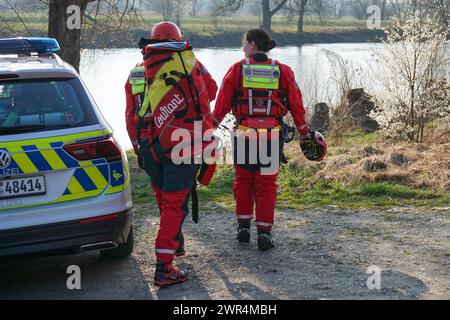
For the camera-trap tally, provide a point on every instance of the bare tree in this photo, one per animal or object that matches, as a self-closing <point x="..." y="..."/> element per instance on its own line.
<point x="181" y="7"/>
<point x="227" y="7"/>
<point x="338" y="8"/>
<point x="68" y="38"/>
<point x="298" y="8"/>
<point x="268" y="13"/>
<point x="102" y="15"/>
<point x="318" y="7"/>
<point x="194" y="8"/>
<point x="269" y="9"/>
<point x="359" y="8"/>
<point x="344" y="77"/>
<point x="10" y="6"/>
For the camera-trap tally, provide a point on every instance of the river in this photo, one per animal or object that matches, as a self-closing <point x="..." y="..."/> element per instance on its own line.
<point x="106" y="71"/>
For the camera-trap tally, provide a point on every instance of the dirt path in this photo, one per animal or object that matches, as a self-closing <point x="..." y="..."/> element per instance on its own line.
<point x="319" y="255"/>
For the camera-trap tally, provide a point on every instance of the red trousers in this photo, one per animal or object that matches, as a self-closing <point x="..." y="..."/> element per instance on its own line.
<point x="250" y="188"/>
<point x="173" y="210"/>
<point x="172" y="185"/>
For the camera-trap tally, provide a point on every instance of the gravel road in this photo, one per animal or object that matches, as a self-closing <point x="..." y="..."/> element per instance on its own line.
<point x="319" y="255"/>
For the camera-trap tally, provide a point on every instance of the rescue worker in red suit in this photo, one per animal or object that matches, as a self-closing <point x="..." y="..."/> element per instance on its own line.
<point x="258" y="90"/>
<point x="171" y="183"/>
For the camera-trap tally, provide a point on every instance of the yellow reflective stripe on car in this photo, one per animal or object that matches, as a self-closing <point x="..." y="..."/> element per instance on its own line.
<point x="22" y="160"/>
<point x="113" y="190"/>
<point x="77" y="196"/>
<point x="157" y="90"/>
<point x="64" y="198"/>
<point x="74" y="186"/>
<point x="51" y="156"/>
<point x="89" y="178"/>
<point x="128" y="176"/>
<point x="96" y="177"/>
<point x="67" y="139"/>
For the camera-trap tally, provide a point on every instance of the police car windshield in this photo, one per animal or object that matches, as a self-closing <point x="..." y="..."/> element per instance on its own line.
<point x="44" y="104"/>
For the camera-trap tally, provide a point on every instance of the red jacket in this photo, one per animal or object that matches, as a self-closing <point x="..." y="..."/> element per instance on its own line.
<point x="130" y="113"/>
<point x="233" y="82"/>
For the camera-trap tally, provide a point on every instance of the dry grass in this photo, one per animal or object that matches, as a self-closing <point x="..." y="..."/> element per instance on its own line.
<point x="438" y="132"/>
<point x="418" y="166"/>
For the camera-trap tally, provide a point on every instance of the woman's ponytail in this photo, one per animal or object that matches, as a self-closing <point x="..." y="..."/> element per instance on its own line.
<point x="272" y="44"/>
<point x="261" y="38"/>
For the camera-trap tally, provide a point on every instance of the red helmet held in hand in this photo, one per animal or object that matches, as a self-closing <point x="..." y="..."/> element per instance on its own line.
<point x="314" y="147"/>
<point x="166" y="30"/>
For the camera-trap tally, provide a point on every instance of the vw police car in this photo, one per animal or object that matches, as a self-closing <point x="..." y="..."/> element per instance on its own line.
<point x="64" y="181"/>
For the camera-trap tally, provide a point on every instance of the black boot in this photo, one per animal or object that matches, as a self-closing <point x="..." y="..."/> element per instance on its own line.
<point x="265" y="241"/>
<point x="167" y="274"/>
<point x="243" y="232"/>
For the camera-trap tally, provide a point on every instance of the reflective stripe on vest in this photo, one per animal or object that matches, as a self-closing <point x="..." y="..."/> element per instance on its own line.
<point x="165" y="251"/>
<point x="261" y="76"/>
<point x="158" y="89"/>
<point x="246" y="129"/>
<point x="245" y="217"/>
<point x="263" y="224"/>
<point x="250" y="101"/>
<point x="137" y="80"/>
<point x="269" y="103"/>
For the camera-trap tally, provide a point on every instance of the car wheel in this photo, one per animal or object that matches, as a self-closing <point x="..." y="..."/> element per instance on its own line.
<point x="122" y="251"/>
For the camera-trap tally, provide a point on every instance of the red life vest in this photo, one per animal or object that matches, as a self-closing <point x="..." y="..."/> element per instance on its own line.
<point x="256" y="102"/>
<point x="176" y="95"/>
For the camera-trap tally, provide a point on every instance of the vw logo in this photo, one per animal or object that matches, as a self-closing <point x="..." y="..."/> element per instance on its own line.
<point x="5" y="159"/>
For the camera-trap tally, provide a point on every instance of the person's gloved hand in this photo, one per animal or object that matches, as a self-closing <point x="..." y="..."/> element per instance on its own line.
<point x="138" y="153"/>
<point x="306" y="137"/>
<point x="140" y="160"/>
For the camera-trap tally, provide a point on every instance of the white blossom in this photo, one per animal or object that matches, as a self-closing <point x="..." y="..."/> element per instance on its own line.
<point x="415" y="88"/>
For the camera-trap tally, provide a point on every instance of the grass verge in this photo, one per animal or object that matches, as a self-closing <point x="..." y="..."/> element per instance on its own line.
<point x="300" y="188"/>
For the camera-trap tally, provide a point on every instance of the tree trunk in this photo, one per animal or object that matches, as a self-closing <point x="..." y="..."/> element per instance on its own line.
<point x="268" y="14"/>
<point x="267" y="18"/>
<point x="69" y="40"/>
<point x="422" y="127"/>
<point x="383" y="10"/>
<point x="412" y="113"/>
<point x="301" y="15"/>
<point x="194" y="8"/>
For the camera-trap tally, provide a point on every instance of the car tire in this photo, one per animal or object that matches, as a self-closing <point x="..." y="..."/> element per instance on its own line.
<point x="123" y="251"/>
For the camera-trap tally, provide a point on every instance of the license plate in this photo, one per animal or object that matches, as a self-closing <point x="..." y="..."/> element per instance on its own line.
<point x="23" y="187"/>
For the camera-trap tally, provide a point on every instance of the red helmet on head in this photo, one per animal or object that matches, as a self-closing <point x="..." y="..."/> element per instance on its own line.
<point x="166" y="30"/>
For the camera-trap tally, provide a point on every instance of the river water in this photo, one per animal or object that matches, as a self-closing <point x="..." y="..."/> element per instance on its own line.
<point x="106" y="71"/>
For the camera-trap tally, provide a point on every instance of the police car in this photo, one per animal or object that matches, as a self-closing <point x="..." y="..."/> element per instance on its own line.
<point x="64" y="181"/>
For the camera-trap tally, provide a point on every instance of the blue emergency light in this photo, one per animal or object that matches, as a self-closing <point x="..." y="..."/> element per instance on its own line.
<point x="29" y="45"/>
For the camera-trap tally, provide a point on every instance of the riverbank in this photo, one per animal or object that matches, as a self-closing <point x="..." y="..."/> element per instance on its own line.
<point x="216" y="39"/>
<point x="203" y="32"/>
<point x="226" y="39"/>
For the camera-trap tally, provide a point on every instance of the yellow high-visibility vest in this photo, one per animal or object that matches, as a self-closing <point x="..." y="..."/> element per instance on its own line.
<point x="261" y="76"/>
<point x="137" y="80"/>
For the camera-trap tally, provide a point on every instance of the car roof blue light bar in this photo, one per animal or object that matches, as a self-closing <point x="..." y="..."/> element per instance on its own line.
<point x="29" y="45"/>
